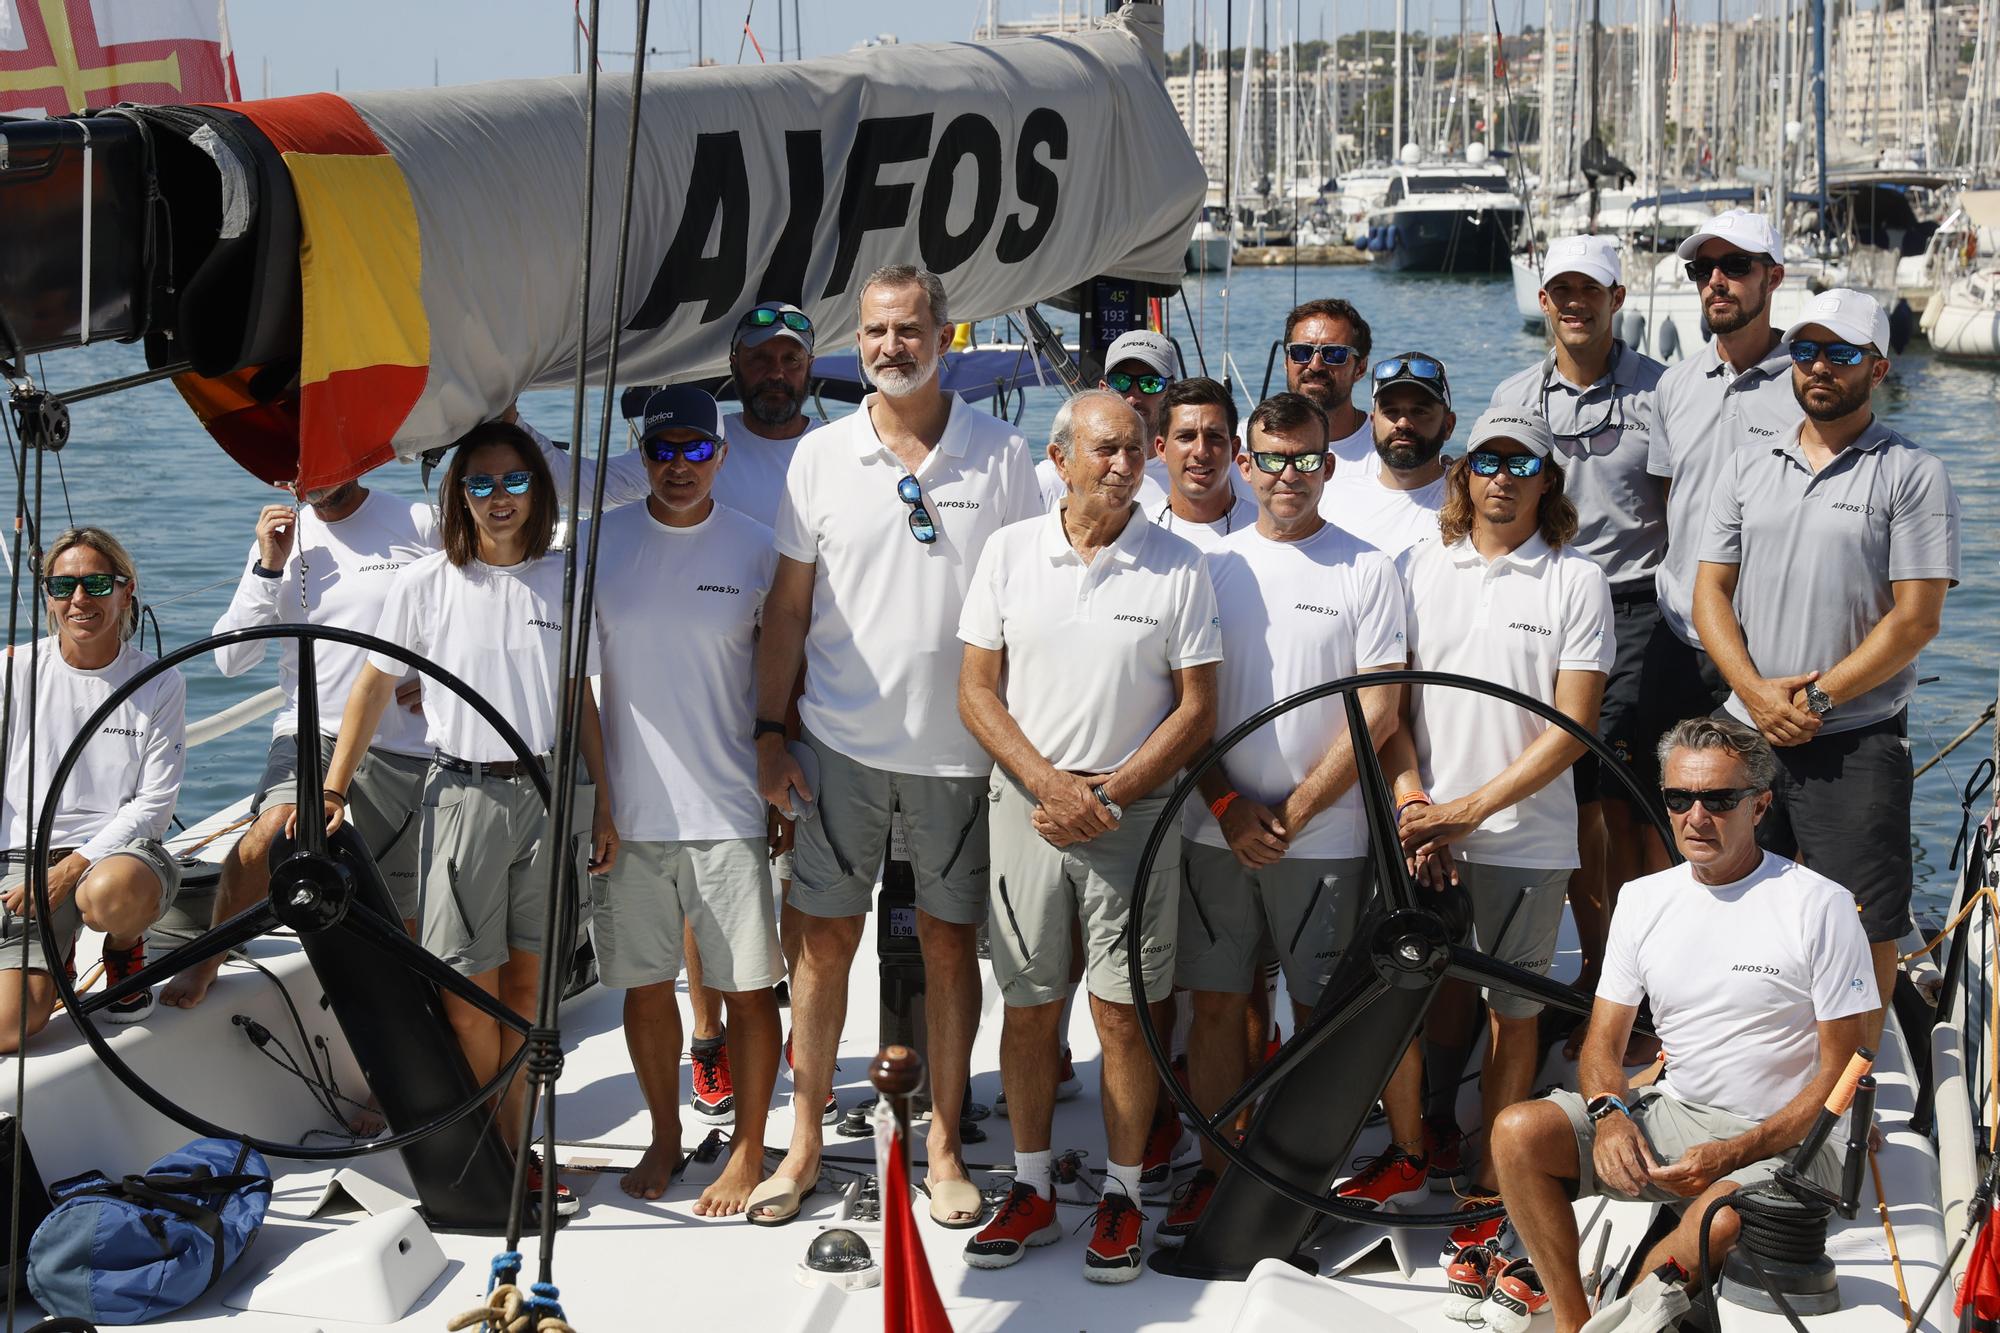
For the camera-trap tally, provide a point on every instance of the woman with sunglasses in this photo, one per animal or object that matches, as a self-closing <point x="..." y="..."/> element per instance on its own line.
<point x="488" y="608"/>
<point x="107" y="869"/>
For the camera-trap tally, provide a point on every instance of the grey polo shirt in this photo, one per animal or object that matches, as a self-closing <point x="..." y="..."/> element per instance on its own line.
<point x="1818" y="553"/>
<point x="1707" y="412"/>
<point x="1621" y="505"/>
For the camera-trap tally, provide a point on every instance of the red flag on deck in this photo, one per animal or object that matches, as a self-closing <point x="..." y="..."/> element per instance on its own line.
<point x="1978" y="1307"/>
<point x="58" y="56"/>
<point x="910" y="1302"/>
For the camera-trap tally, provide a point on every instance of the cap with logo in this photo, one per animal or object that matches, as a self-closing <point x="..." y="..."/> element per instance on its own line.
<point x="1593" y="256"/>
<point x="681" y="407"/>
<point x="1855" y="316"/>
<point x="1147" y="348"/>
<point x="1518" y="424"/>
<point x="1752" y="233"/>
<point x="749" y="334"/>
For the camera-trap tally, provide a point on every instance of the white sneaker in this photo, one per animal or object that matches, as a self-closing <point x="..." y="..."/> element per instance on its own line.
<point x="1659" y="1299"/>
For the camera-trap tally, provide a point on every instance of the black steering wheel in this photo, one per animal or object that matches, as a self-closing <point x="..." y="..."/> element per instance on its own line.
<point x="312" y="890"/>
<point x="1411" y="942"/>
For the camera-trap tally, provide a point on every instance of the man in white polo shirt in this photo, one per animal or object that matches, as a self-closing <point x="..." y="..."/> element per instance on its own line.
<point x="881" y="526"/>
<point x="1326" y="354"/>
<point x="1482" y="791"/>
<point x="1822" y="576"/>
<point x="1203" y="499"/>
<point x="1089" y="677"/>
<point x="1141" y="366"/>
<point x="1286" y="858"/>
<point x="682" y="579"/>
<point x="1758" y="975"/>
<point x="1392" y="503"/>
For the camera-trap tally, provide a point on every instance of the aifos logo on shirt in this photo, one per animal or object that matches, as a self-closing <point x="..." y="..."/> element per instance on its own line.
<point x="544" y="624"/>
<point x="1137" y="620"/>
<point x="1322" y="610"/>
<point x="718" y="587"/>
<point x="1542" y="630"/>
<point x="133" y="732"/>
<point x="956" y="504"/>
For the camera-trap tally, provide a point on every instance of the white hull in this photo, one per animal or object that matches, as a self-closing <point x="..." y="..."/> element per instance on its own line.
<point x="1963" y="318"/>
<point x="1208" y="251"/>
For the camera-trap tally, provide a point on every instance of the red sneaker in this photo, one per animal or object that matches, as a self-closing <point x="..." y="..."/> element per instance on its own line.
<point x="1189" y="1201"/>
<point x="118" y="965"/>
<point x="1444" y="1150"/>
<point x="1468" y="1282"/>
<point x="712" y="1094"/>
<point x="1487" y="1233"/>
<point x="1517" y="1298"/>
<point x="1389" y="1180"/>
<point x="1027" y="1217"/>
<point x="1115" y="1233"/>
<point x="1156" y="1168"/>
<point x="566" y="1202"/>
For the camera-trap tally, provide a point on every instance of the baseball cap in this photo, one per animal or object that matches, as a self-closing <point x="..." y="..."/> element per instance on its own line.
<point x="1518" y="424"/>
<point x="1593" y="256"/>
<point x="1752" y="233"/>
<point x="1855" y="316"/>
<point x="772" y="319"/>
<point x="682" y="407"/>
<point x="1144" y="345"/>
<point x="1418" y="368"/>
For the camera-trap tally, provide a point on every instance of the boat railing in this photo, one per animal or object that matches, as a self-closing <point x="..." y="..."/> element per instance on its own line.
<point x="239" y="714"/>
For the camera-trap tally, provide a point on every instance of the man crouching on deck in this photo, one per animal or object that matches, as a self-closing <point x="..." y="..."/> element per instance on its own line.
<point x="1104" y="628"/>
<point x="1759" y="976"/>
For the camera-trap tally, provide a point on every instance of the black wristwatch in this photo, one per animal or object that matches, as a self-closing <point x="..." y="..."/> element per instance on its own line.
<point x="766" y="727"/>
<point x="1599" y="1107"/>
<point x="1818" y="701"/>
<point x="258" y="569"/>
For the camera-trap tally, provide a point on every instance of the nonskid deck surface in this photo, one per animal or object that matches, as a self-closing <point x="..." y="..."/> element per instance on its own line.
<point x="625" y="1264"/>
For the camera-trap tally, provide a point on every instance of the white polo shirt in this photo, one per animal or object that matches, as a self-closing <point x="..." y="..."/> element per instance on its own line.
<point x="881" y="660"/>
<point x="1091" y="648"/>
<point x="1295" y="615"/>
<point x="348" y="567"/>
<point x="1390" y="520"/>
<point x="499" y="630"/>
<point x="677" y="613"/>
<point x="1515" y="622"/>
<point x="1740" y="976"/>
<point x="751" y="479"/>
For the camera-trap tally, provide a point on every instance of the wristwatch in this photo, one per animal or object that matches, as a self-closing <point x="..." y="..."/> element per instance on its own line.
<point x="1819" y="701"/>
<point x="766" y="727"/>
<point x="1599" y="1107"/>
<point x="1104" y="799"/>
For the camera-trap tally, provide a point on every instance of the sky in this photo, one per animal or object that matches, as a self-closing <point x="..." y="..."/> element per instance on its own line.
<point x="310" y="45"/>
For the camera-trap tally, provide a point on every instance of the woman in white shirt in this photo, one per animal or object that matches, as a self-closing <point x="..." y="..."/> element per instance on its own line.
<point x="107" y="869"/>
<point x="488" y="608"/>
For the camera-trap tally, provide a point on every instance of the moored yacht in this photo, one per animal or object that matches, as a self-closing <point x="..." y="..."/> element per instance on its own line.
<point x="1446" y="217"/>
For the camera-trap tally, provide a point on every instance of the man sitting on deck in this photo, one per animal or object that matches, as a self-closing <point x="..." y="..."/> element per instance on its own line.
<point x="1760" y="982"/>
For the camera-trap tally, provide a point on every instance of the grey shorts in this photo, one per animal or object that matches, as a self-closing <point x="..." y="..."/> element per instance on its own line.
<point x="1231" y="916"/>
<point x="69" y="917"/>
<point x="1516" y="917"/>
<point x="385" y="803"/>
<point x="837" y="854"/>
<point x="485" y="869"/>
<point x="720" y="888"/>
<point x="1039" y="891"/>
<point x="1672" y="1127"/>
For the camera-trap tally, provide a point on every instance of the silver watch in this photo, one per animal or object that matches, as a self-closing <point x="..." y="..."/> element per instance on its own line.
<point x="1104" y="799"/>
<point x="1818" y="700"/>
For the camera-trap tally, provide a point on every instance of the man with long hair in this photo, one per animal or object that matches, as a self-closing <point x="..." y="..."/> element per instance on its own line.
<point x="1482" y="796"/>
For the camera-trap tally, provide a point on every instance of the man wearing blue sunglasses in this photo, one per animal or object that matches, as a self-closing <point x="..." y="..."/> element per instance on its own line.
<point x="1823" y="574"/>
<point x="1326" y="354"/>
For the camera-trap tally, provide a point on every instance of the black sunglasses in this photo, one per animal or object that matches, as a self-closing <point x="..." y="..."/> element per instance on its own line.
<point x="1805" y="351"/>
<point x="482" y="484"/>
<point x="1732" y="266"/>
<point x="1486" y="463"/>
<point x="912" y="494"/>
<point x="662" y="450"/>
<point x="1333" y="354"/>
<point x="763" y="317"/>
<point x="1715" y="800"/>
<point x="1274" y="463"/>
<point x="1120" y="382"/>
<point x="62" y="587"/>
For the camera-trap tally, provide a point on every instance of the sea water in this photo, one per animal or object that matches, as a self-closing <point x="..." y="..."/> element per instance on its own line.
<point x="139" y="464"/>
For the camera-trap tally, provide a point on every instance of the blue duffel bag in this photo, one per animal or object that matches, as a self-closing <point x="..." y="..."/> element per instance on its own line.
<point x="124" y="1251"/>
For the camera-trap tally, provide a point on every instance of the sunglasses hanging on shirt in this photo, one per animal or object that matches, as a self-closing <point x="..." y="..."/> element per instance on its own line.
<point x="912" y="494"/>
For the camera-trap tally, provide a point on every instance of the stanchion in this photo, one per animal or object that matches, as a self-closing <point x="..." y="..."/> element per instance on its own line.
<point x="910" y="1302"/>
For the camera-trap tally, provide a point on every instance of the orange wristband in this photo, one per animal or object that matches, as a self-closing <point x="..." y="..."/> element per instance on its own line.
<point x="1222" y="803"/>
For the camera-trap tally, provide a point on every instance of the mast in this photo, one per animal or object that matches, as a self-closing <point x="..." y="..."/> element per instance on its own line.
<point x="1458" y="85"/>
<point x="1819" y="116"/>
<point x="1783" y="55"/>
<point x="1402" y="21"/>
<point x="1590" y="91"/>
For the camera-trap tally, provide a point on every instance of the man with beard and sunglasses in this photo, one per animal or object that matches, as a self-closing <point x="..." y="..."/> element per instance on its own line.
<point x="1823" y="574"/>
<point x="880" y="528"/>
<point x="1326" y="354"/>
<point x="1393" y="504"/>
<point x="770" y="363"/>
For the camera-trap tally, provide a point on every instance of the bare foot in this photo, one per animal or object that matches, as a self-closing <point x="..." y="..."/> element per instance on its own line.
<point x="190" y="988"/>
<point x="731" y="1190"/>
<point x="656" y="1171"/>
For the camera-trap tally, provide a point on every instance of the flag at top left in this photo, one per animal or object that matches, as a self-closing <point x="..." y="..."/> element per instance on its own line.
<point x="58" y="56"/>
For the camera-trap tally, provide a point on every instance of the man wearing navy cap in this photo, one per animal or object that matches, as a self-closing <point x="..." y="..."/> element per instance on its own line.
<point x="1823" y="574"/>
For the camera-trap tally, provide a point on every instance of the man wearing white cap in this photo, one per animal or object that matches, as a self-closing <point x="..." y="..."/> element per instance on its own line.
<point x="1737" y="394"/>
<point x="770" y="360"/>
<point x="1597" y="394"/>
<point x="1139" y="367"/>
<point x="1481" y="793"/>
<point x="1823" y="574"/>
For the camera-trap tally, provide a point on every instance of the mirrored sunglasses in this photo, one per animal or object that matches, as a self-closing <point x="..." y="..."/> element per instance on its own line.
<point x="1486" y="463"/>
<point x="1120" y="382"/>
<point x="662" y="450"/>
<point x="480" y="485"/>
<point x="1805" y="351"/>
<point x="1274" y="463"/>
<point x="1333" y="354"/>
<point x="62" y="587"/>
<point x="763" y="317"/>
<point x="912" y="494"/>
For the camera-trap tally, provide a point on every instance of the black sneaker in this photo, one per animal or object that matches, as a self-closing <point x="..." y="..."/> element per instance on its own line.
<point x="120" y="964"/>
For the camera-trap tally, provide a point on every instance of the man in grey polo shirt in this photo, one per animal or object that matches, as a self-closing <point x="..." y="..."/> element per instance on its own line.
<point x="1822" y="576"/>
<point x="1597" y="395"/>
<point x="1737" y="394"/>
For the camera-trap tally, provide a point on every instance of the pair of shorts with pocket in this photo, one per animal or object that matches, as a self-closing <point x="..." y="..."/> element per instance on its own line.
<point x="385" y="803"/>
<point x="1516" y="918"/>
<point x="719" y="888"/>
<point x="68" y="916"/>
<point x="1672" y="1128"/>
<point x="1231" y="917"/>
<point x="485" y="867"/>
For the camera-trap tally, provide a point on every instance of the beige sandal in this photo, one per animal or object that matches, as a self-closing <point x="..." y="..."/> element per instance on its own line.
<point x="776" y="1201"/>
<point x="955" y="1196"/>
